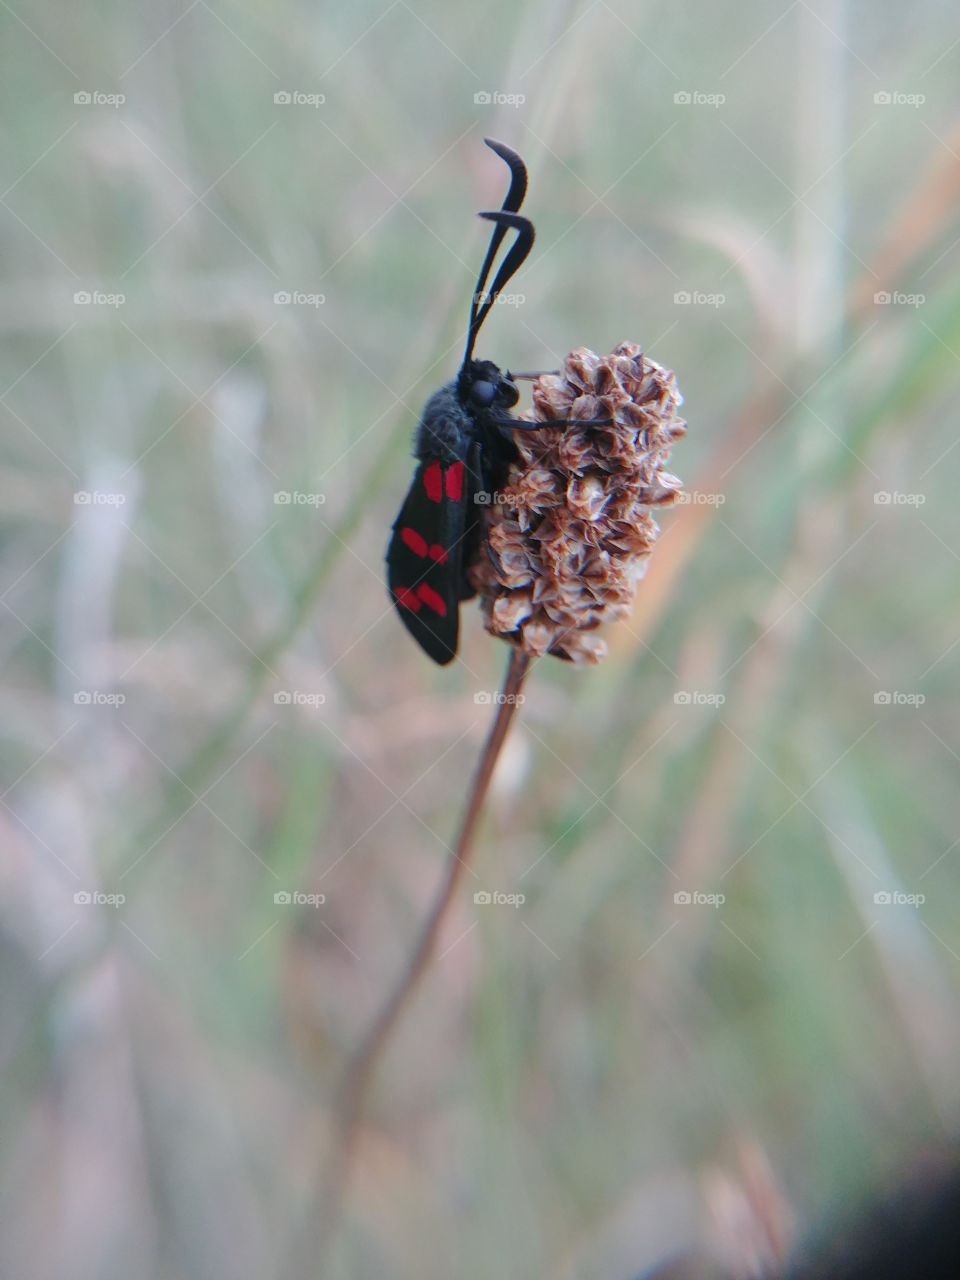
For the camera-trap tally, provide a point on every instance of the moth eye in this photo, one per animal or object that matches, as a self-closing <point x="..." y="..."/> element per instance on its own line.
<point x="482" y="393"/>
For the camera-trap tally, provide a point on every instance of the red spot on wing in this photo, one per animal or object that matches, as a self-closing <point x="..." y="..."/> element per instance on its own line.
<point x="415" y="541"/>
<point x="407" y="599"/>
<point x="454" y="480"/>
<point x="438" y="553"/>
<point x="432" y="599"/>
<point x="433" y="481"/>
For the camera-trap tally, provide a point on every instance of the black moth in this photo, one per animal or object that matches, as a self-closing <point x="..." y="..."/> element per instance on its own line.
<point x="464" y="444"/>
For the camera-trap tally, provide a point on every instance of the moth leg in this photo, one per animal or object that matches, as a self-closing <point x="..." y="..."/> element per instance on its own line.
<point x="506" y="423"/>
<point x="477" y="482"/>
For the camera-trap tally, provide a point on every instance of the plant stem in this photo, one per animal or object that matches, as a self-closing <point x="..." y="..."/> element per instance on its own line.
<point x="362" y="1066"/>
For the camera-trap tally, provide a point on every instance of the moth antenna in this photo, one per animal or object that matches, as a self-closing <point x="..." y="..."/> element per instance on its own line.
<point x="511" y="263"/>
<point x="512" y="202"/>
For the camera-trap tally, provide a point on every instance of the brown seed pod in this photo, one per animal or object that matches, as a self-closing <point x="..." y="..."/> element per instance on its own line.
<point x="567" y="540"/>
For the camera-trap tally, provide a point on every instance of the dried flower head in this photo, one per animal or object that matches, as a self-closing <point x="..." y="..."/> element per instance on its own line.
<point x="567" y="540"/>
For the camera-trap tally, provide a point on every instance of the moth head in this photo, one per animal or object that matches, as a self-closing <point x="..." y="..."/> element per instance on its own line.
<point x="483" y="386"/>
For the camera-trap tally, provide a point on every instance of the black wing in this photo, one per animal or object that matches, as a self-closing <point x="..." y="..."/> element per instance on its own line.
<point x="426" y="555"/>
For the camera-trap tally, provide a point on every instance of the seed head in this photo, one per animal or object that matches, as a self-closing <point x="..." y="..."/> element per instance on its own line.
<point x="567" y="540"/>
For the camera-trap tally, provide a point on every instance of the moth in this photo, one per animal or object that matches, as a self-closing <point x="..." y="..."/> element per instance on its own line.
<point x="464" y="445"/>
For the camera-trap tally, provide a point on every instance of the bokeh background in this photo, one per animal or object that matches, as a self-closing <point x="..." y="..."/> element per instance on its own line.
<point x="207" y="701"/>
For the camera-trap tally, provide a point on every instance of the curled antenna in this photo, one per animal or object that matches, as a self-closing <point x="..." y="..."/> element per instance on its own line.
<point x="506" y="219"/>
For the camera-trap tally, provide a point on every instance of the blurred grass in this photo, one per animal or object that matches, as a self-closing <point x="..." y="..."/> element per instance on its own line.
<point x="578" y="1065"/>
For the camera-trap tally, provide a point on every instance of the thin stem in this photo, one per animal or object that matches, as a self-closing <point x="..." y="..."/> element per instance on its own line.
<point x="361" y="1068"/>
